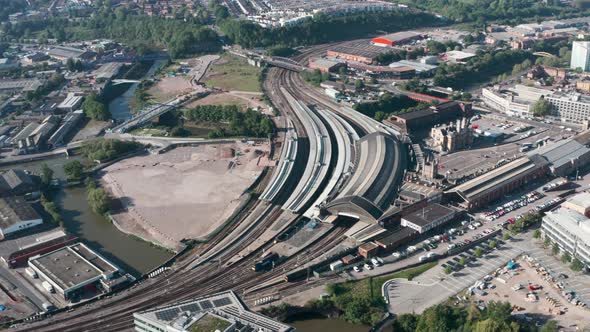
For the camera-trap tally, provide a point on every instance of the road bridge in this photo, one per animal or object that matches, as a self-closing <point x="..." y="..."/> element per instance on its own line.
<point x="124" y="81"/>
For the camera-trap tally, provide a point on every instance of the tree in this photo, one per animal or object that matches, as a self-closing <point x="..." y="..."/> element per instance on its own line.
<point x="536" y="234"/>
<point x="555" y="249"/>
<point x="541" y="107"/>
<point x="550" y="326"/>
<point x="490" y="325"/>
<point x="359" y="85"/>
<point x="98" y="200"/>
<point x="506" y="236"/>
<point x="462" y="261"/>
<point x="74" y="170"/>
<point x="95" y="109"/>
<point x="478" y="252"/>
<point x="493" y="244"/>
<point x="547" y="242"/>
<point x="577" y="264"/>
<point x="448" y="270"/>
<point x="405" y="323"/>
<point x="566" y="257"/>
<point x="46" y="175"/>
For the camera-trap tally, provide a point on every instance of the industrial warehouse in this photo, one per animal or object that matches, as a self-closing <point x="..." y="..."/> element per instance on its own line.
<point x="74" y="270"/>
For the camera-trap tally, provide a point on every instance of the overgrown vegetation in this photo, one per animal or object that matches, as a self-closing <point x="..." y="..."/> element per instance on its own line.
<point x="496" y="317"/>
<point x="74" y="170"/>
<point x="509" y="11"/>
<point x="386" y="105"/>
<point x="479" y="69"/>
<point x="103" y="149"/>
<point x="54" y="82"/>
<point x="322" y="28"/>
<point x="315" y="77"/>
<point x="237" y="123"/>
<point x="360" y="301"/>
<point x="525" y="222"/>
<point x="98" y="199"/>
<point x="95" y="109"/>
<point x="143" y="32"/>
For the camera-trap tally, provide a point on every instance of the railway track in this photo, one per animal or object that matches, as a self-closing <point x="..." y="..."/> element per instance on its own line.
<point x="180" y="283"/>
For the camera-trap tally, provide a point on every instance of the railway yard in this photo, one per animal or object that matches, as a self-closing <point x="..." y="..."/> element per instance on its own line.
<point x="335" y="196"/>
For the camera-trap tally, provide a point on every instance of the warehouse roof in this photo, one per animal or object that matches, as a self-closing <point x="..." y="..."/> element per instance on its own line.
<point x="394" y="237"/>
<point x="491" y="180"/>
<point x="15" y="178"/>
<point x="108" y="70"/>
<point x="373" y="185"/>
<point x="562" y="152"/>
<point x="72" y="265"/>
<point x="400" y="36"/>
<point x="14" y="210"/>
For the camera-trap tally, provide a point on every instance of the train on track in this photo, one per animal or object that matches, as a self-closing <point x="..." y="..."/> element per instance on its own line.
<point x="266" y="262"/>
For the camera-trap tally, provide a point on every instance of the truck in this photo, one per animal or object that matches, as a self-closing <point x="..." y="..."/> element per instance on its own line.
<point x="32" y="273"/>
<point x="336" y="266"/>
<point x="422" y="258"/>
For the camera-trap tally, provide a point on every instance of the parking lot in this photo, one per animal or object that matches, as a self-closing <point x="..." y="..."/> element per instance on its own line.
<point x="435" y="285"/>
<point x="578" y="282"/>
<point x="532" y="296"/>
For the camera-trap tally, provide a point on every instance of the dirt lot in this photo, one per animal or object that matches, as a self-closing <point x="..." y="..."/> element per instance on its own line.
<point x="185" y="193"/>
<point x="573" y="316"/>
<point x="170" y="86"/>
<point x="226" y="98"/>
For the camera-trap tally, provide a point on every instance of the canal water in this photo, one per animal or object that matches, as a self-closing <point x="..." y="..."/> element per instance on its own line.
<point x="327" y="324"/>
<point x="133" y="255"/>
<point x="119" y="107"/>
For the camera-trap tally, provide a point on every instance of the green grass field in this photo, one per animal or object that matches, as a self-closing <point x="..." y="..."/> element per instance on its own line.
<point x="233" y="73"/>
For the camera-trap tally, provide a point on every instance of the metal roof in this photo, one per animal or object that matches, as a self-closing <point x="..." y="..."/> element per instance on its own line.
<point x="562" y="152"/>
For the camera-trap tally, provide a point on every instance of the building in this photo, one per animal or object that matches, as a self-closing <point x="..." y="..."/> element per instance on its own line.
<point x="7" y="64"/>
<point x="65" y="53"/>
<point x="396" y="238"/>
<point x="419" y="67"/>
<point x="16" y="215"/>
<point x="564" y="157"/>
<point x="60" y="136"/>
<point x="49" y="241"/>
<point x="358" y="51"/>
<point x="456" y="56"/>
<point x="34" y="58"/>
<point x="224" y="311"/>
<point x="427" y="218"/>
<point x="15" y="182"/>
<point x="19" y="85"/>
<point x="395" y="39"/>
<point x="107" y="71"/>
<point x="397" y="72"/>
<point x="579" y="203"/>
<point x="426" y="118"/>
<point x="73" y="269"/>
<point x="71" y="102"/>
<point x="570" y="230"/>
<point x="494" y="184"/>
<point x="580" y="55"/>
<point x="570" y="107"/>
<point x="326" y="65"/>
<point x="452" y="137"/>
<point x="39" y="136"/>
<point x="368" y="249"/>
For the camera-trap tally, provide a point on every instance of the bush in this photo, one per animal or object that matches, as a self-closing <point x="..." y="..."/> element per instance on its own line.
<point x="103" y="149"/>
<point x="74" y="170"/>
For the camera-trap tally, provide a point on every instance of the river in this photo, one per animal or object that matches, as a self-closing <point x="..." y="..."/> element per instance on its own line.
<point x="327" y="324"/>
<point x="133" y="255"/>
<point x="119" y="107"/>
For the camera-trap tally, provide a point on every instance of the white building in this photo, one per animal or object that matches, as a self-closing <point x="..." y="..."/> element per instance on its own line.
<point x="16" y="215"/>
<point x="570" y="107"/>
<point x="570" y="230"/>
<point x="580" y="55"/>
<point x="223" y="310"/>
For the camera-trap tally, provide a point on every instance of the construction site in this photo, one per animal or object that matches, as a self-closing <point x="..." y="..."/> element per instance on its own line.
<point x="204" y="184"/>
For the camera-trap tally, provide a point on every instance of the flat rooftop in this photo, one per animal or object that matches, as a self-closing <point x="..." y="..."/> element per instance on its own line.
<point x="428" y="214"/>
<point x="400" y="36"/>
<point x="360" y="48"/>
<point x="72" y="265"/>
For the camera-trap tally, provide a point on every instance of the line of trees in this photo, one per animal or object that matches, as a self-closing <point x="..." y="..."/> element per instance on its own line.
<point x="249" y="123"/>
<point x="386" y="105"/>
<point x="323" y="28"/>
<point x="479" y="68"/>
<point x="143" y="32"/>
<point x="497" y="316"/>
<point x="480" y="11"/>
<point x="104" y="149"/>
